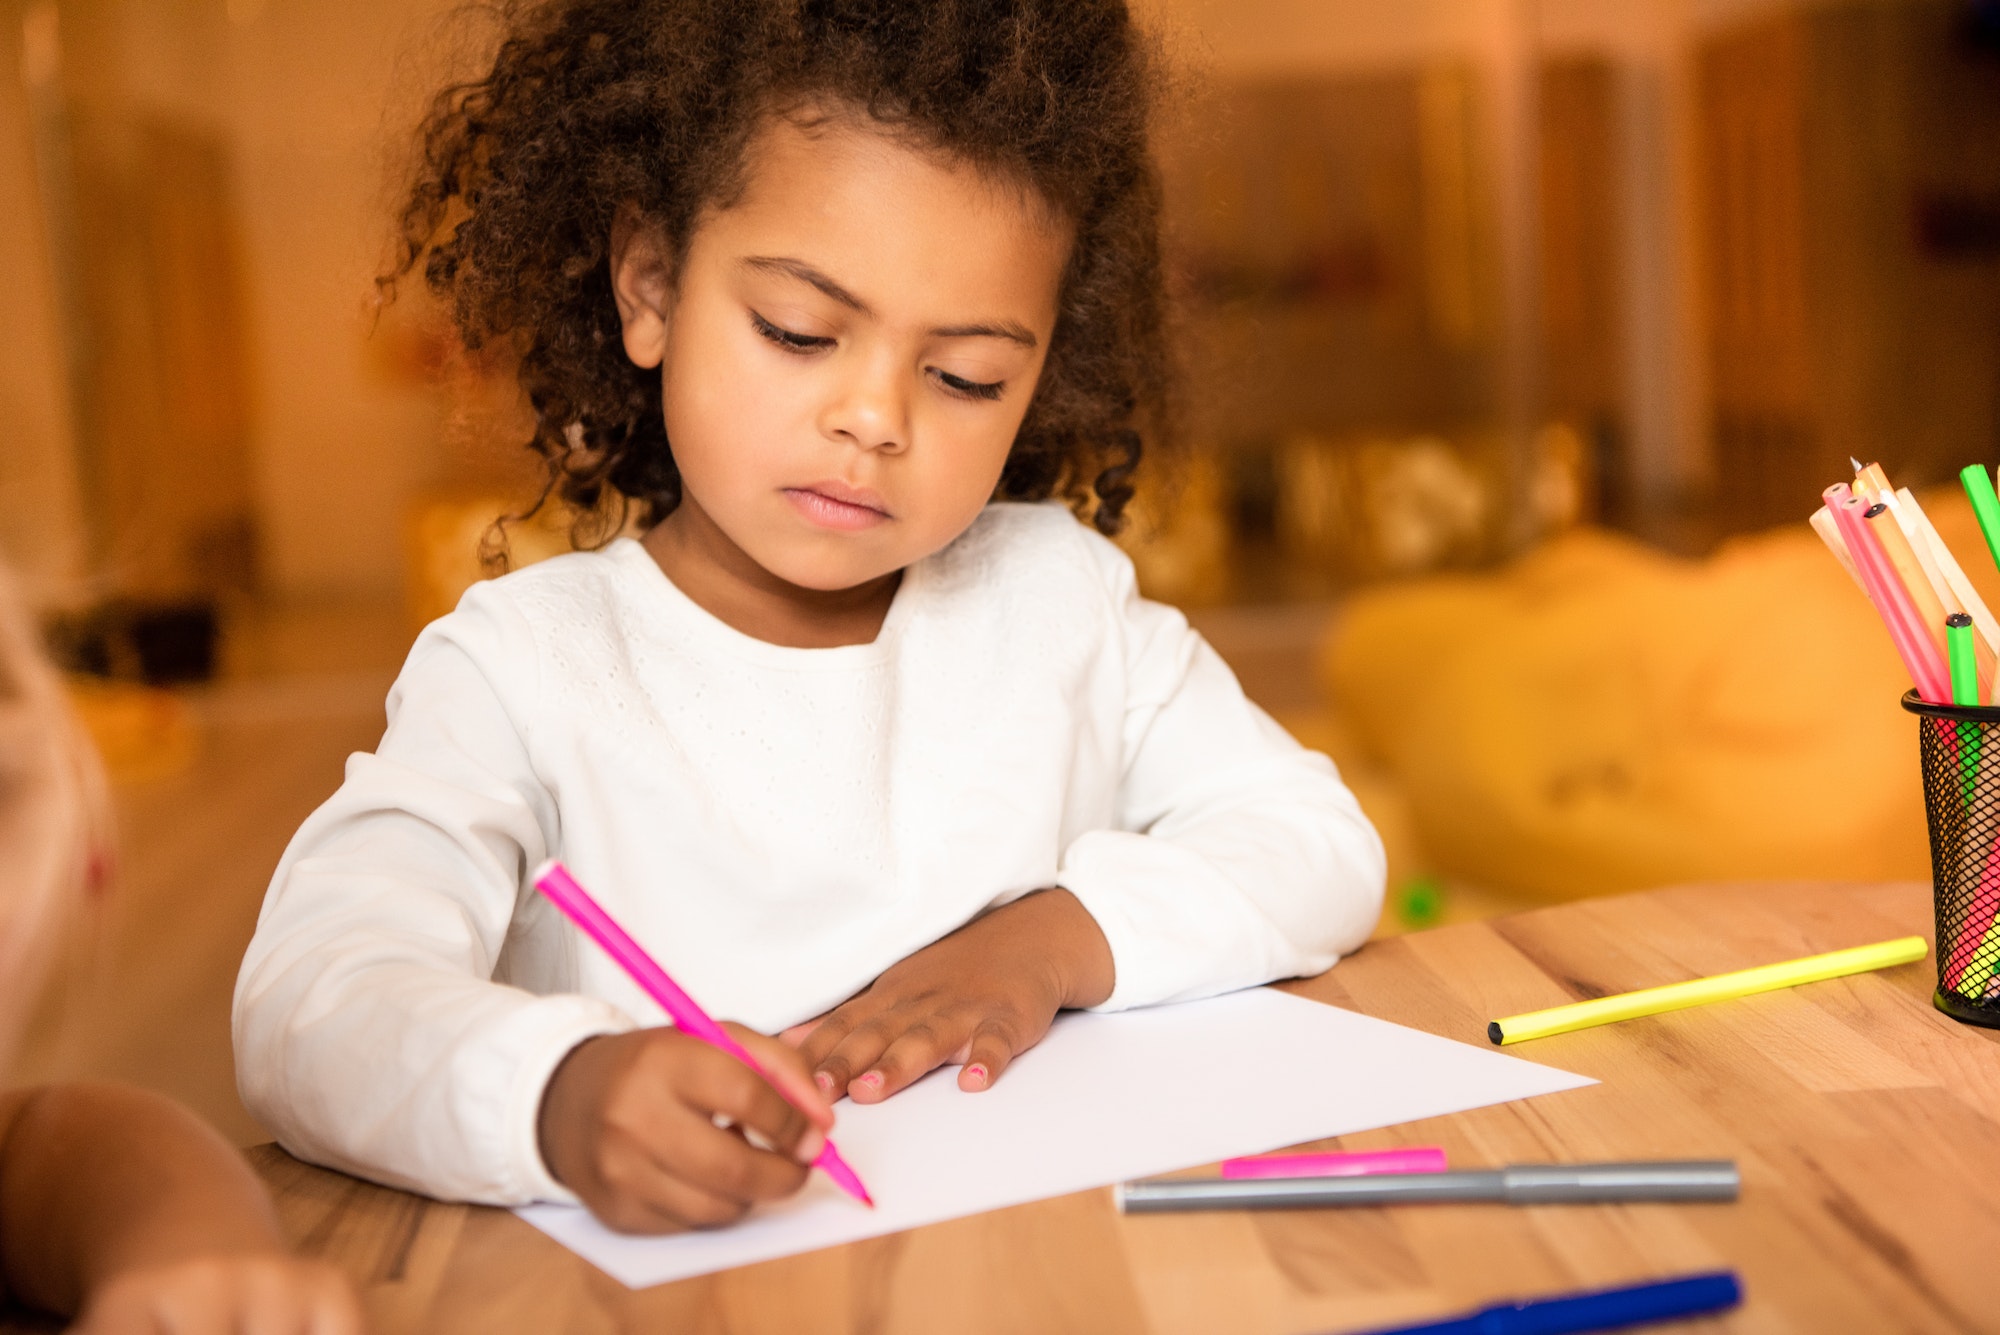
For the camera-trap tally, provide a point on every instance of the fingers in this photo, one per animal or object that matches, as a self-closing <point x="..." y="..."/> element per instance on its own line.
<point x="788" y="1072"/>
<point x="993" y="1048"/>
<point x="195" y="1297"/>
<point x="663" y="1130"/>
<point x="797" y="1035"/>
<point x="225" y="1295"/>
<point x="718" y="1161"/>
<point x="740" y="1098"/>
<point x="120" y="1316"/>
<point x="875" y="1060"/>
<point x="682" y="1136"/>
<point x="335" y="1308"/>
<point x="828" y="1033"/>
<point x="848" y="1047"/>
<point x="877" y="1055"/>
<point x="722" y="1085"/>
<point x="650" y="1200"/>
<point x="704" y="1177"/>
<point x="923" y="1045"/>
<point x="297" y="1298"/>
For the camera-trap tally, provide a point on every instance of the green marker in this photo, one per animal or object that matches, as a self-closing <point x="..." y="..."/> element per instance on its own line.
<point x="1958" y="644"/>
<point x="1985" y="505"/>
<point x="1964" y="691"/>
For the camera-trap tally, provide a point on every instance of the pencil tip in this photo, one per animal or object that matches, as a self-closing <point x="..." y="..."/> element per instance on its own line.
<point x="1856" y="462"/>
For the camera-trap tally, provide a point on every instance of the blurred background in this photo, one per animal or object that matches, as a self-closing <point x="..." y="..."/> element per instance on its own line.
<point x="1523" y="336"/>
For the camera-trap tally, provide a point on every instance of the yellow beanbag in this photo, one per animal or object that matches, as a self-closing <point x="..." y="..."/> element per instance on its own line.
<point x="1602" y="717"/>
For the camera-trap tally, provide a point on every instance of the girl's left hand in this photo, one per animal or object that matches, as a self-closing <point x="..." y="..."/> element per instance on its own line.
<point x="979" y="997"/>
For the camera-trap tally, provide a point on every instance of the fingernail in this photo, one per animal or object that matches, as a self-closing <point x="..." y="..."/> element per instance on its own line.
<point x="824" y="1081"/>
<point x="872" y="1080"/>
<point x="977" y="1072"/>
<point x="809" y="1146"/>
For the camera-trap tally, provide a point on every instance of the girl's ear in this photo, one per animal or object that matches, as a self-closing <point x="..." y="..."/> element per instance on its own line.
<point x="642" y="284"/>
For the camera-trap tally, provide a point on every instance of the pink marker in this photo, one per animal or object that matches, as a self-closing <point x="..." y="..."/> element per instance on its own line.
<point x="1354" y="1163"/>
<point x="1892" y="601"/>
<point x="554" y="880"/>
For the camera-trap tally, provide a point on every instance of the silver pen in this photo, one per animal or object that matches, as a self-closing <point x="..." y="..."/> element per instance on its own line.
<point x="1524" y="1184"/>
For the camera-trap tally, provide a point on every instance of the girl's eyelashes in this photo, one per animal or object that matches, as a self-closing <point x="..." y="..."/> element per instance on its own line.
<point x="786" y="338"/>
<point x="971" y="389"/>
<point x="792" y="341"/>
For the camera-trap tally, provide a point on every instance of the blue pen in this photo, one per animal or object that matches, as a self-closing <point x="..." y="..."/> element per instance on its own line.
<point x="1601" y="1309"/>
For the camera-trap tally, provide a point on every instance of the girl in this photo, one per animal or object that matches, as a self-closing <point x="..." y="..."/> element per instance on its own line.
<point x="861" y="741"/>
<point x="116" y="1205"/>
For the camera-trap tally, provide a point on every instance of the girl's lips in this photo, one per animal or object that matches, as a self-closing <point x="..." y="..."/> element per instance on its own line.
<point x="850" y="512"/>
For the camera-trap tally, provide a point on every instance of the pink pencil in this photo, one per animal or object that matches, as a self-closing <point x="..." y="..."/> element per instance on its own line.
<point x="554" y="880"/>
<point x="1352" y="1163"/>
<point x="1898" y="610"/>
<point x="1892" y="601"/>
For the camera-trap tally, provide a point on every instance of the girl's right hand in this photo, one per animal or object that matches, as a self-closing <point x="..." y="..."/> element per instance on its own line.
<point x="649" y="1128"/>
<point x="224" y="1295"/>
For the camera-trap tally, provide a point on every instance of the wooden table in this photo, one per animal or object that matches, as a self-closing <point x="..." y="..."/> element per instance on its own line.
<point x="1864" y="1121"/>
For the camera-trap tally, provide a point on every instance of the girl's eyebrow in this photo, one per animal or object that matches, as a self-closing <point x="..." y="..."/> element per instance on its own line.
<point x="805" y="273"/>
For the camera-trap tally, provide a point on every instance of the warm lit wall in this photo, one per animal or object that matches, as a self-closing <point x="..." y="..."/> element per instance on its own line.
<point x="40" y="529"/>
<point x="1650" y="44"/>
<point x="1322" y="34"/>
<point x="1306" y="36"/>
<point x="342" y="445"/>
<point x="305" y="99"/>
<point x="1502" y="46"/>
<point x="1849" y="317"/>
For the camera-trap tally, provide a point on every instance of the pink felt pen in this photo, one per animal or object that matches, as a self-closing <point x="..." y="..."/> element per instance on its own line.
<point x="1891" y="599"/>
<point x="554" y="880"/>
<point x="1354" y="1163"/>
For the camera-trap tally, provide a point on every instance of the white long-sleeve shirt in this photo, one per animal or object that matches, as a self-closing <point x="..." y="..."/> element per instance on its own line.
<point x="776" y="826"/>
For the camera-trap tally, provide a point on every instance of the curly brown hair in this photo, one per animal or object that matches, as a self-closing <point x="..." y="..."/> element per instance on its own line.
<point x="595" y="105"/>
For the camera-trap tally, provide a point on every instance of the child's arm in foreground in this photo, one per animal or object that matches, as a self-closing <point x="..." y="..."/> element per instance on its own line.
<point x="126" y="1209"/>
<point x="1235" y="857"/>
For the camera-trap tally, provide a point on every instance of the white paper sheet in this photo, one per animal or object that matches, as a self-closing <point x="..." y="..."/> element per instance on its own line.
<point x="1102" y="1099"/>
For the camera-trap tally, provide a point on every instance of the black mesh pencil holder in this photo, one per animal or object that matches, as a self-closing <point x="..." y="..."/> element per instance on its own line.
<point x="1960" y="746"/>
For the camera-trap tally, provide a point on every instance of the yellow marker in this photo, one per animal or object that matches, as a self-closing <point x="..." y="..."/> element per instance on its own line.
<point x="1701" y="991"/>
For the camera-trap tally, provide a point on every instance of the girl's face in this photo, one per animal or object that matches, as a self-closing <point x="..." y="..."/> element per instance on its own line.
<point x="848" y="351"/>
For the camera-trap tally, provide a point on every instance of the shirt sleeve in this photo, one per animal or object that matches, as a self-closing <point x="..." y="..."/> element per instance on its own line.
<point x="1238" y="856"/>
<point x="369" y="1034"/>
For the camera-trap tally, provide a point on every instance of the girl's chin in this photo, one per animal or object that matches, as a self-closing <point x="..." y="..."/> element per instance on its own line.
<point x="820" y="572"/>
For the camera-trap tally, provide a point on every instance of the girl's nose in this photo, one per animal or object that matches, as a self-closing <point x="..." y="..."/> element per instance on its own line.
<point x="870" y="408"/>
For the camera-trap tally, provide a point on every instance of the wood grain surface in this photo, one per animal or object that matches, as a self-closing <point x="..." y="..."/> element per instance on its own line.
<point x="1864" y="1122"/>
